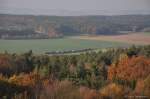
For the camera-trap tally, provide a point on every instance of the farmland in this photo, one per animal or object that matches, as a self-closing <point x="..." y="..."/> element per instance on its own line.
<point x="140" y="38"/>
<point x="45" y="45"/>
<point x="41" y="46"/>
<point x="87" y="57"/>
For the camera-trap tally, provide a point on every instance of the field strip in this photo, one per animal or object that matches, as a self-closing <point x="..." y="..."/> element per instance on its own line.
<point x="134" y="38"/>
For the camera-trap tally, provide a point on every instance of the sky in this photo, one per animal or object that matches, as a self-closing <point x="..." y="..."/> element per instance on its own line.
<point x="75" y="7"/>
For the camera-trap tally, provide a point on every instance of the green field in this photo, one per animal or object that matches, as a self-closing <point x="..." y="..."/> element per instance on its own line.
<point x="147" y="33"/>
<point x="44" y="45"/>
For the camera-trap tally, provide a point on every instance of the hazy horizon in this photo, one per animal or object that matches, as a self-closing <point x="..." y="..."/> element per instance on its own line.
<point x="75" y="7"/>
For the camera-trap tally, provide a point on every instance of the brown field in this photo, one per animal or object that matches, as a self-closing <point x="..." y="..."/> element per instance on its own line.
<point x="132" y="38"/>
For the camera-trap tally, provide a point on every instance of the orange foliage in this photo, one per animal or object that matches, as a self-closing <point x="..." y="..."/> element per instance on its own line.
<point x="143" y="87"/>
<point x="5" y="61"/>
<point x="130" y="68"/>
<point x="29" y="80"/>
<point x="113" y="91"/>
<point x="59" y="90"/>
<point x="89" y="93"/>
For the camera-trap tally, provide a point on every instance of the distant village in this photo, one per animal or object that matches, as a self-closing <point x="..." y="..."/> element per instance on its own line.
<point x="69" y="51"/>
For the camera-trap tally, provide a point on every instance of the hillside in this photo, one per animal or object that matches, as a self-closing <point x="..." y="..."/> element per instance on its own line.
<point x="58" y="26"/>
<point x="112" y="74"/>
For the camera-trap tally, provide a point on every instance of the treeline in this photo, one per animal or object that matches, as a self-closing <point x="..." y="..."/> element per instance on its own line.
<point x="111" y="74"/>
<point x="75" y="25"/>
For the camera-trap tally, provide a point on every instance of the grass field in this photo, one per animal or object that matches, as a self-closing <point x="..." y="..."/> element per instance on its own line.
<point x="42" y="46"/>
<point x="147" y="33"/>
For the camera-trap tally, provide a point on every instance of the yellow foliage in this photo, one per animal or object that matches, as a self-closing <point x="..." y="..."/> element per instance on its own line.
<point x="14" y="79"/>
<point x="23" y="80"/>
<point x="3" y="78"/>
<point x="123" y="57"/>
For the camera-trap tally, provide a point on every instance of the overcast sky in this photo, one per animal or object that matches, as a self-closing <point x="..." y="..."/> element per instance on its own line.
<point x="81" y="6"/>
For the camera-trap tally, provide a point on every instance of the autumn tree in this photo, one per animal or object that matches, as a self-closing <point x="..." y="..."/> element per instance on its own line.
<point x="113" y="91"/>
<point x="129" y="69"/>
<point x="143" y="87"/>
<point x="6" y="64"/>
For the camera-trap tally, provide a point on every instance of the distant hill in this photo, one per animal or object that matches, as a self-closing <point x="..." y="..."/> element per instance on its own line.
<point x="56" y="26"/>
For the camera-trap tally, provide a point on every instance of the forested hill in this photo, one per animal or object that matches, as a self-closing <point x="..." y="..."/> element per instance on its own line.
<point x="73" y="25"/>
